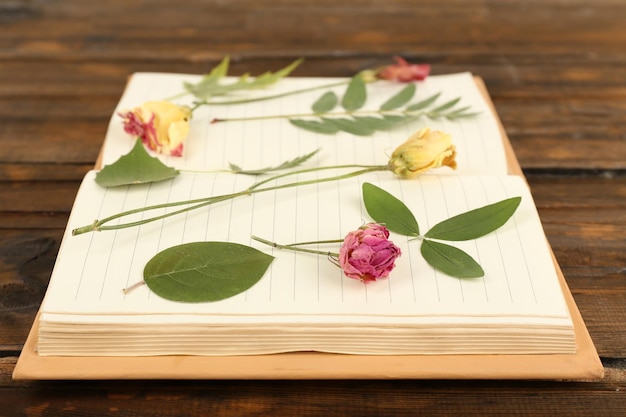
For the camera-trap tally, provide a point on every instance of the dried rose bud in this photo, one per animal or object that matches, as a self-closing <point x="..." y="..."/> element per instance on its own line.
<point x="424" y="150"/>
<point x="367" y="254"/>
<point x="161" y="125"/>
<point x="404" y="72"/>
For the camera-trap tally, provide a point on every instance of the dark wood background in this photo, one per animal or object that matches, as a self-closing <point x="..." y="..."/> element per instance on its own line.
<point x="556" y="70"/>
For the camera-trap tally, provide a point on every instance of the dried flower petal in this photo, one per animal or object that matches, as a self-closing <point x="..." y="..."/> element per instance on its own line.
<point x="367" y="254"/>
<point x="424" y="150"/>
<point x="161" y="125"/>
<point x="404" y="72"/>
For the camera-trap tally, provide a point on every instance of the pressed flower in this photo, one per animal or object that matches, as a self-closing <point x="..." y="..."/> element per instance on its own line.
<point x="161" y="125"/>
<point x="404" y="72"/>
<point x="367" y="254"/>
<point x="424" y="150"/>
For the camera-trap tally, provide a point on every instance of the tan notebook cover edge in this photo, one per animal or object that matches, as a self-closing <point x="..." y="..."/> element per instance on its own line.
<point x="585" y="365"/>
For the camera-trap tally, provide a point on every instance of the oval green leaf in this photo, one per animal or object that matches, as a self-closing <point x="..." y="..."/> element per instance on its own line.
<point x="205" y="271"/>
<point x="380" y="123"/>
<point x="355" y="95"/>
<point x="315" y="126"/>
<point x="404" y="96"/>
<point x="349" y="125"/>
<point x="475" y="223"/>
<point x="325" y="103"/>
<point x="386" y="209"/>
<point x="447" y="105"/>
<point x="450" y="260"/>
<point x="136" y="167"/>
<point x="424" y="103"/>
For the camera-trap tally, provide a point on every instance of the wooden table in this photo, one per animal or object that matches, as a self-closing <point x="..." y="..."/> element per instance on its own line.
<point x="556" y="70"/>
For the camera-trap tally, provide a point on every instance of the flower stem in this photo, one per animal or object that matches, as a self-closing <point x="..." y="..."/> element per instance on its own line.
<point x="100" y="225"/>
<point x="330" y="114"/>
<point x="293" y="247"/>
<point x="252" y="100"/>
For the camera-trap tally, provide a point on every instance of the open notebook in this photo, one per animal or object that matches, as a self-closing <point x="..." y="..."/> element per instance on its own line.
<point x="304" y="304"/>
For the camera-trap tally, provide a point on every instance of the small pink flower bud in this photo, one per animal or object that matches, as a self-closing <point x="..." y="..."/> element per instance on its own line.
<point x="404" y="72"/>
<point x="367" y="254"/>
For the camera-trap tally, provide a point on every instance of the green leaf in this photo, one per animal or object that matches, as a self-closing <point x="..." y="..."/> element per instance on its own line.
<point x="325" y="103"/>
<point x="205" y="271"/>
<point x="475" y="223"/>
<point x="445" y="106"/>
<point x="209" y="85"/>
<point x="404" y="96"/>
<point x="136" y="167"/>
<point x="315" y="126"/>
<point x="285" y="165"/>
<point x="209" y="80"/>
<point x="349" y="125"/>
<point x="380" y="123"/>
<point x="450" y="260"/>
<point x="424" y="103"/>
<point x="355" y="95"/>
<point x="386" y="209"/>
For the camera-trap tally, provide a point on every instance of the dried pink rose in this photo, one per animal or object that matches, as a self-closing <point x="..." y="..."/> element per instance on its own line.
<point x="367" y="253"/>
<point x="404" y="72"/>
<point x="161" y="125"/>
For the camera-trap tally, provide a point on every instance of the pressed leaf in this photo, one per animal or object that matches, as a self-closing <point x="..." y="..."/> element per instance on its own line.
<point x="386" y="209"/>
<point x="285" y="165"/>
<point x="445" y="106"/>
<point x="475" y="223"/>
<point x="380" y="123"/>
<point x="450" y="260"/>
<point x="315" y="126"/>
<point x="209" y="86"/>
<point x="461" y="115"/>
<point x="136" y="167"/>
<point x="424" y="103"/>
<point x="355" y="95"/>
<point x="349" y="125"/>
<point x="325" y="103"/>
<point x="205" y="271"/>
<point x="209" y="80"/>
<point x="404" y="96"/>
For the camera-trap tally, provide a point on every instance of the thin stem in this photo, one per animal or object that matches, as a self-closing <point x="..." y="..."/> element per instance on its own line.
<point x="329" y="114"/>
<point x="252" y="100"/>
<point x="293" y="248"/>
<point x="316" y="242"/>
<point x="99" y="225"/>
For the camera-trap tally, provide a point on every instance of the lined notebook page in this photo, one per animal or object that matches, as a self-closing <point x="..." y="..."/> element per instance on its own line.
<point x="520" y="280"/>
<point x="270" y="142"/>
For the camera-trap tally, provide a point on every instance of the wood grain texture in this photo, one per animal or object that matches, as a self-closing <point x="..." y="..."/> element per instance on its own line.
<point x="554" y="69"/>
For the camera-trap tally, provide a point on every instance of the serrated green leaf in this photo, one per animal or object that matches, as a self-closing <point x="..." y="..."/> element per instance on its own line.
<point x="404" y="96"/>
<point x="475" y="223"/>
<point x="450" y="260"/>
<point x="355" y="95"/>
<point x="285" y="165"/>
<point x="136" y="167"/>
<point x="209" y="86"/>
<point x="424" y="103"/>
<point x="386" y="209"/>
<point x="349" y="125"/>
<point x="325" y="103"/>
<point x="315" y="126"/>
<point x="209" y="80"/>
<point x="205" y="271"/>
